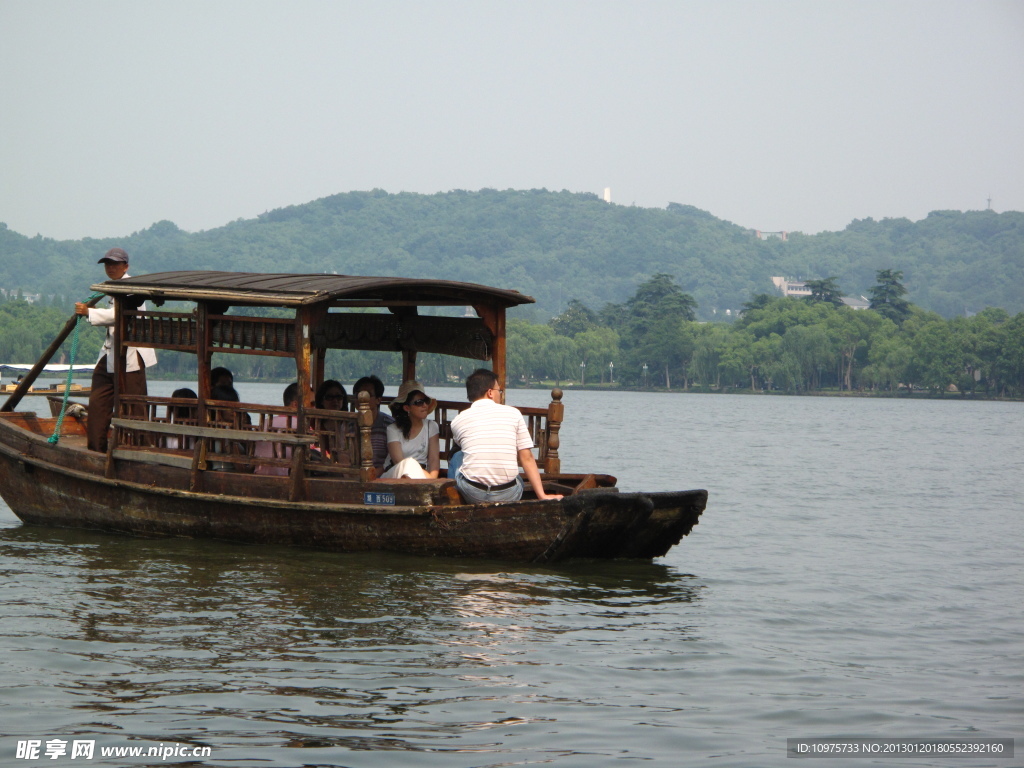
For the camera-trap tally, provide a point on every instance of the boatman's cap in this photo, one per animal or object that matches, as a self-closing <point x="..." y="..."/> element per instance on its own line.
<point x="114" y="256"/>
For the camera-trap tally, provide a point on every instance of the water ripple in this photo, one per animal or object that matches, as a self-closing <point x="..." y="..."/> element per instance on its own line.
<point x="857" y="577"/>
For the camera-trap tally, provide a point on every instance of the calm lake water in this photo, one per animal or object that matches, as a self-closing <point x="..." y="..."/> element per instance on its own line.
<point x="858" y="572"/>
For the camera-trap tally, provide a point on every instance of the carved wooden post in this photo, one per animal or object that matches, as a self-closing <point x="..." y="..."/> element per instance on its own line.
<point x="297" y="486"/>
<point x="308" y="370"/>
<point x="317" y="319"/>
<point x="304" y="356"/>
<point x="198" y="464"/>
<point x="556" y="410"/>
<point x="366" y="469"/>
<point x="408" y="364"/>
<point x="203" y="353"/>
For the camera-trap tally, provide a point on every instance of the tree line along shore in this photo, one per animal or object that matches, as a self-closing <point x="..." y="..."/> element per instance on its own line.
<point x="653" y="341"/>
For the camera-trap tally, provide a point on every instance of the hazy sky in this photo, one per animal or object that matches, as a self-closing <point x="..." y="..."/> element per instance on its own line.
<point x="773" y="115"/>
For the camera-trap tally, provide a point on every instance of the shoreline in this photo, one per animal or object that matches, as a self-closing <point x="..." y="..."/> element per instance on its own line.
<point x="916" y="395"/>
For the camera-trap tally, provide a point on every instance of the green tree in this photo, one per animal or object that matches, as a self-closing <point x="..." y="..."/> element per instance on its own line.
<point x="526" y="343"/>
<point x="660" y="298"/>
<point x="825" y="291"/>
<point x="782" y="313"/>
<point x="937" y="357"/>
<point x="810" y="354"/>
<point x="888" y="361"/>
<point x="596" y="348"/>
<point x="710" y="347"/>
<point x="666" y="349"/>
<point x="887" y="297"/>
<point x="576" y="319"/>
<point x="759" y="301"/>
<point x="763" y="353"/>
<point x="850" y="331"/>
<point x="1009" y="365"/>
<point x="559" y="355"/>
<point x="653" y="330"/>
<point x="736" y="362"/>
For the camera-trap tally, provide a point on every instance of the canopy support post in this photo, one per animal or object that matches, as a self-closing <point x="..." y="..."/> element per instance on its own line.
<point x="408" y="365"/>
<point x="494" y="319"/>
<point x="203" y="355"/>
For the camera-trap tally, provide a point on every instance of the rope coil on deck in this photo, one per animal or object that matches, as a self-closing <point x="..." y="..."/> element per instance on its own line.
<point x="71" y="371"/>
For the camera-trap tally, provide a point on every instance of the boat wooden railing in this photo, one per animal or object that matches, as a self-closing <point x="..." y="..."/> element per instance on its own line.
<point x="241" y="437"/>
<point x="268" y="439"/>
<point x="237" y="334"/>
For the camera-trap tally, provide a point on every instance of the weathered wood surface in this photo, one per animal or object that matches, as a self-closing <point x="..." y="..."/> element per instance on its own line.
<point x="214" y="433"/>
<point x="49" y="485"/>
<point x="295" y="290"/>
<point x="29" y="421"/>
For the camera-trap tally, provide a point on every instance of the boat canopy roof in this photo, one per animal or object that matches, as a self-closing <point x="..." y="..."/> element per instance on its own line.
<point x="295" y="290"/>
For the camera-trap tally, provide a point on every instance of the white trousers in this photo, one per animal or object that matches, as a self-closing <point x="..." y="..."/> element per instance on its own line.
<point x="406" y="468"/>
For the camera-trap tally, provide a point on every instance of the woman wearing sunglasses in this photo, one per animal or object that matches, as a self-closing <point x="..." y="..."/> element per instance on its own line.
<point x="414" y="449"/>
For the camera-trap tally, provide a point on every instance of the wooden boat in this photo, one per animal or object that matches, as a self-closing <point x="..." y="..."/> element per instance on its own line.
<point x="51" y="369"/>
<point x="164" y="473"/>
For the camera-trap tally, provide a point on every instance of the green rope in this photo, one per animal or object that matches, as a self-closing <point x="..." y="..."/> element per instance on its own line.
<point x="71" y="371"/>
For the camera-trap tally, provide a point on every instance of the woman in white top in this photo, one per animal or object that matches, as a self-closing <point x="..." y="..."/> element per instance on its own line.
<point x="414" y="449"/>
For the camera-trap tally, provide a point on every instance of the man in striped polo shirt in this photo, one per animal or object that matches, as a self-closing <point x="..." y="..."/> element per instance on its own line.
<point x="494" y="441"/>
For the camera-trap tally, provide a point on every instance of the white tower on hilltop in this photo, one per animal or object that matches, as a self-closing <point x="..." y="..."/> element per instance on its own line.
<point x="607" y="194"/>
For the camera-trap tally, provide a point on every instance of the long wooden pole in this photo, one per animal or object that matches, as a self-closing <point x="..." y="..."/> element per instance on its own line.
<point x="23" y="387"/>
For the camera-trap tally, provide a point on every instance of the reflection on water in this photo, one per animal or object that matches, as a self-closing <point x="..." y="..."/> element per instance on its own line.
<point x="203" y="641"/>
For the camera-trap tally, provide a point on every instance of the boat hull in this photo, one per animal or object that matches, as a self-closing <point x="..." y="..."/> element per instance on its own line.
<point x="50" y="485"/>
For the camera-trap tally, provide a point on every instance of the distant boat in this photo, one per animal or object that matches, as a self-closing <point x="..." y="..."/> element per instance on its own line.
<point x="301" y="475"/>
<point x="59" y="370"/>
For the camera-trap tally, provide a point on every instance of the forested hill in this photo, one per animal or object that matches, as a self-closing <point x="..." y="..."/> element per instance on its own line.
<point x="556" y="246"/>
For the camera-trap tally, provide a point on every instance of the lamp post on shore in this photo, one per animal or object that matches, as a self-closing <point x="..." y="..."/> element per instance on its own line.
<point x="583" y="373"/>
<point x="611" y="372"/>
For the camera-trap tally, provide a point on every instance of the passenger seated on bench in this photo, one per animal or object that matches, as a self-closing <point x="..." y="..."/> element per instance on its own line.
<point x="181" y="414"/>
<point x="228" y="393"/>
<point x="222" y="377"/>
<point x="414" y="449"/>
<point x="331" y="396"/>
<point x="227" y="420"/>
<point x="494" y="439"/>
<point x="280" y="421"/>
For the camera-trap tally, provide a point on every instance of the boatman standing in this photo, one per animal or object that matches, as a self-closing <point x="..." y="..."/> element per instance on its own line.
<point x="136" y="359"/>
<point x="494" y="440"/>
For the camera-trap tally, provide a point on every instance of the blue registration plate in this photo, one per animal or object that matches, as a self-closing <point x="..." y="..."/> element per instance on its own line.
<point x="380" y="499"/>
